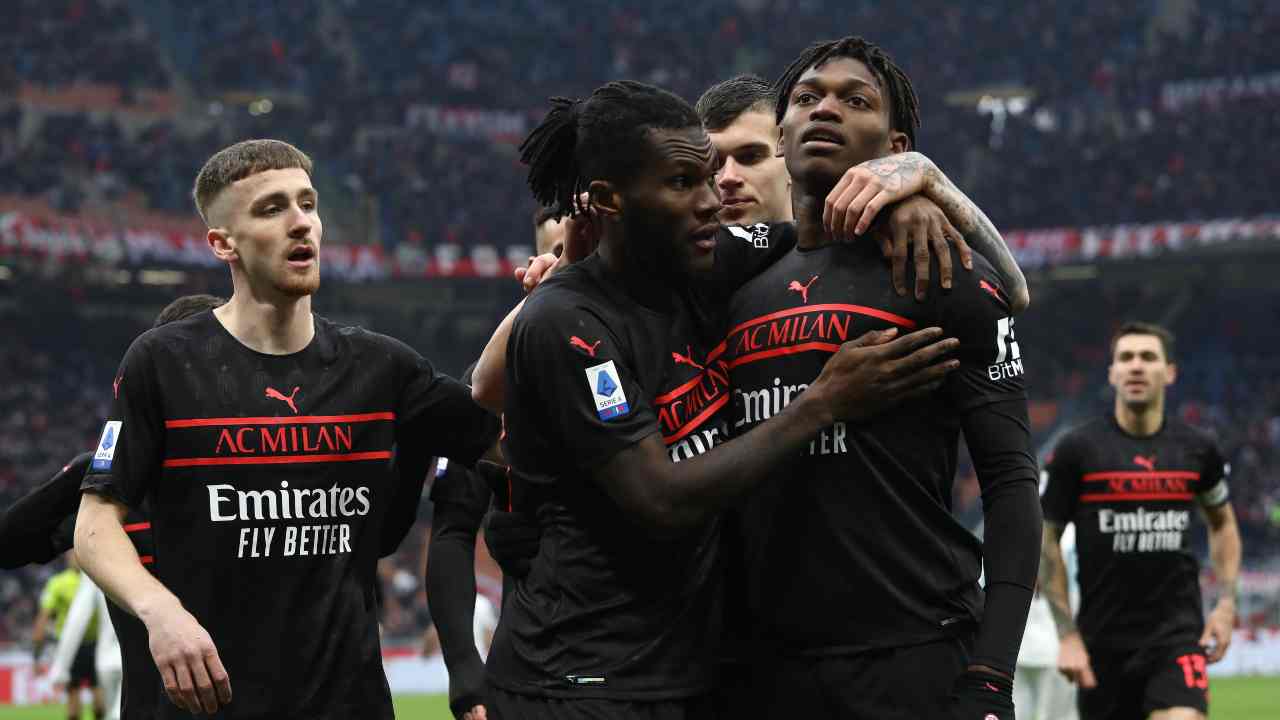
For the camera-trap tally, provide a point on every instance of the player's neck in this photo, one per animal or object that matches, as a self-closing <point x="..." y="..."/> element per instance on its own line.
<point x="649" y="286"/>
<point x="807" y="206"/>
<point x="1140" y="421"/>
<point x="282" y="327"/>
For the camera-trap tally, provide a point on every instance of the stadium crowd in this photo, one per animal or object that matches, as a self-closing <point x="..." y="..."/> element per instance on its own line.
<point x="1093" y="146"/>
<point x="1094" y="143"/>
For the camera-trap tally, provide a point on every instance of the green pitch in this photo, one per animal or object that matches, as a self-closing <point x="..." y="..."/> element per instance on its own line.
<point x="1249" y="698"/>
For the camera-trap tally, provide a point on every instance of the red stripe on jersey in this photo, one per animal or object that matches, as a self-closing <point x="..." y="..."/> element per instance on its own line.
<point x="667" y="397"/>
<point x="697" y="420"/>
<point x="1139" y="475"/>
<point x="136" y="527"/>
<point x="1108" y="497"/>
<point x="792" y="350"/>
<point x="300" y="419"/>
<point x="829" y="307"/>
<point x="146" y="559"/>
<point x="277" y="459"/>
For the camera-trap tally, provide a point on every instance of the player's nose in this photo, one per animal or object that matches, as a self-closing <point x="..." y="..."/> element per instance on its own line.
<point x="730" y="175"/>
<point x="828" y="108"/>
<point x="300" y="223"/>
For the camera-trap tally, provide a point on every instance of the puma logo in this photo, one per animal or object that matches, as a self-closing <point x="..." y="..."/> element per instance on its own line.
<point x="115" y="387"/>
<point x="992" y="290"/>
<point x="1147" y="462"/>
<point x="583" y="346"/>
<point x="802" y="289"/>
<point x="686" y="359"/>
<point x="275" y="394"/>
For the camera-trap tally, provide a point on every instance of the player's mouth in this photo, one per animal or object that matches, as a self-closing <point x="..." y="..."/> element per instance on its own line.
<point x="821" y="137"/>
<point x="302" y="256"/>
<point x="704" y="238"/>
<point x="1135" y="384"/>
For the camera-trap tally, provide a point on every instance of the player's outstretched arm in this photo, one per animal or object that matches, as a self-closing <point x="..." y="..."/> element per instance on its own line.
<point x="183" y="651"/>
<point x="869" y="187"/>
<point x="866" y="376"/>
<point x="1073" y="658"/>
<point x="1224" y="554"/>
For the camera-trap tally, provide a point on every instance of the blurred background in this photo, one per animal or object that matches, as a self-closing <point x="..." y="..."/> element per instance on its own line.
<point x="1126" y="150"/>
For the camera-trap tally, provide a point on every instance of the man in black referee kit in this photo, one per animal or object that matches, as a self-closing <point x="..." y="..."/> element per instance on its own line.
<point x="260" y="436"/>
<point x="1129" y="482"/>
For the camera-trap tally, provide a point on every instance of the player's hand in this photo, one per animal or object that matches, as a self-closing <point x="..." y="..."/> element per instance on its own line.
<point x="1217" y="631"/>
<point x="193" y="675"/>
<point x="867" y="188"/>
<point x="582" y="235"/>
<point x="475" y="713"/>
<point x="1073" y="661"/>
<point x="919" y="225"/>
<point x="878" y="370"/>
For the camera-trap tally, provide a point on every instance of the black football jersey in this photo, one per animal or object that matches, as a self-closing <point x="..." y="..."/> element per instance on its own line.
<point x="267" y="479"/>
<point x="1132" y="500"/>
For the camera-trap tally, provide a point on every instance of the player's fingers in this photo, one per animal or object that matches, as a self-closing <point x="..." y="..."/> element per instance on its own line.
<point x="920" y="243"/>
<point x="170" y="680"/>
<point x="938" y="244"/>
<point x="873" y="337"/>
<point x="828" y="205"/>
<point x="912" y="341"/>
<point x="204" y="688"/>
<point x="186" y="687"/>
<point x="478" y="712"/>
<point x="1087" y="679"/>
<point x="930" y="376"/>
<point x="218" y="674"/>
<point x="926" y="356"/>
<point x="957" y="238"/>
<point x="871" y="210"/>
<point x="853" y="215"/>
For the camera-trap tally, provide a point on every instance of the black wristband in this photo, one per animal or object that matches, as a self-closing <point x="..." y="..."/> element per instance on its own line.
<point x="978" y="695"/>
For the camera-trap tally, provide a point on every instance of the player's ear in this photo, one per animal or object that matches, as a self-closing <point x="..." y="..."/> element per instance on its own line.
<point x="605" y="198"/>
<point x="781" y="144"/>
<point x="223" y="244"/>
<point x="1170" y="373"/>
<point x="899" y="142"/>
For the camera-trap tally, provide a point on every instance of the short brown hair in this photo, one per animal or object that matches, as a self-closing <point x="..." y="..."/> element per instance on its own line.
<point x="239" y="161"/>
<point x="1134" y="327"/>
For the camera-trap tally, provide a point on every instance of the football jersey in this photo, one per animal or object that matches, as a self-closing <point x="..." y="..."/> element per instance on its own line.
<point x="852" y="545"/>
<point x="267" y="480"/>
<point x="607" y="610"/>
<point x="1132" y="500"/>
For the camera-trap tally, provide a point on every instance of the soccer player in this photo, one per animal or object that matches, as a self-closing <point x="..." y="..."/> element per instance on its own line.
<point x="55" y="605"/>
<point x="871" y="525"/>
<point x="1040" y="692"/>
<point x="260" y="437"/>
<point x="1129" y="481"/>
<point x="607" y="383"/>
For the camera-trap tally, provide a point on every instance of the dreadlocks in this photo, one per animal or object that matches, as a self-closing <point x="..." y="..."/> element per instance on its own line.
<point x="600" y="138"/>
<point x="904" y="107"/>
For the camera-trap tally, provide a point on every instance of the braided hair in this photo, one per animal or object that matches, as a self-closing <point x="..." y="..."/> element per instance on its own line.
<point x="599" y="138"/>
<point x="904" y="106"/>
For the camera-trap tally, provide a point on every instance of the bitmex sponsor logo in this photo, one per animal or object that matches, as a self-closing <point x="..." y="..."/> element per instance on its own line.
<point x="803" y="329"/>
<point x="273" y="440"/>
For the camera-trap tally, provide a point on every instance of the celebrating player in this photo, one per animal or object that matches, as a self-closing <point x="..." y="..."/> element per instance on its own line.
<point x="260" y="436"/>
<point x="1128" y="481"/>
<point x="899" y="574"/>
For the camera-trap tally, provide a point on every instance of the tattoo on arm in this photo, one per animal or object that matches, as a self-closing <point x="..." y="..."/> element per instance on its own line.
<point x="981" y="235"/>
<point x="1053" y="579"/>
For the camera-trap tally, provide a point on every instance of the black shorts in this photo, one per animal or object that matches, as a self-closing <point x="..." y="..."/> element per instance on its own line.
<point x="1136" y="683"/>
<point x="503" y="705"/>
<point x="886" y="684"/>
<point x="84" y="671"/>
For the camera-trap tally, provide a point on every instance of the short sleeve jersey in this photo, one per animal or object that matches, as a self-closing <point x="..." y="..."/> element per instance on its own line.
<point x="606" y="610"/>
<point x="1132" y="500"/>
<point x="853" y="545"/>
<point x="267" y="479"/>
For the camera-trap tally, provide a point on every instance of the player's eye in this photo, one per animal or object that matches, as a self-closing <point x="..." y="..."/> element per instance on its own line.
<point x="858" y="101"/>
<point x="804" y="98"/>
<point x="750" y="158"/>
<point x="681" y="182"/>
